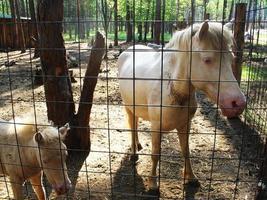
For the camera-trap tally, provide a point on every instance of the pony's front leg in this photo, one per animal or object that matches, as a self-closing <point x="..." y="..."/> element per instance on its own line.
<point x="152" y="181"/>
<point x="16" y="185"/>
<point x="37" y="185"/>
<point x="189" y="175"/>
<point x="133" y="125"/>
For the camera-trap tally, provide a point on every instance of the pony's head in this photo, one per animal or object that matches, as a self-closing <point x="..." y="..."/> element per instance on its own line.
<point x="52" y="155"/>
<point x="211" y="67"/>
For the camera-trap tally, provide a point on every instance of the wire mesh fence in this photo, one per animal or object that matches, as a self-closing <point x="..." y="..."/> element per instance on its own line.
<point x="49" y="63"/>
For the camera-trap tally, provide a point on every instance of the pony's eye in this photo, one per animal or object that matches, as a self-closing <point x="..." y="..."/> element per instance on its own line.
<point x="45" y="162"/>
<point x="207" y="60"/>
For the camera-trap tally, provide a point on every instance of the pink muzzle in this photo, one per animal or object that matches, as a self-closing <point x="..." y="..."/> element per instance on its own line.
<point x="232" y="106"/>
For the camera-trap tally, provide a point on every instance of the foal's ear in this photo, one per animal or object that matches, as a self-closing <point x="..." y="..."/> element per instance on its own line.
<point x="203" y="30"/>
<point x="63" y="130"/>
<point x="39" y="138"/>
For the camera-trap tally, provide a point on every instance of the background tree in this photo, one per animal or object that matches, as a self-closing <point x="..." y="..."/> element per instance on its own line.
<point x="157" y="22"/>
<point x="129" y="27"/>
<point x="146" y="20"/>
<point x="115" y="22"/>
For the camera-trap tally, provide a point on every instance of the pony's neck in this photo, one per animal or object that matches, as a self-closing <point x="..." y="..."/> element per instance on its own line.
<point x="178" y="59"/>
<point x="31" y="153"/>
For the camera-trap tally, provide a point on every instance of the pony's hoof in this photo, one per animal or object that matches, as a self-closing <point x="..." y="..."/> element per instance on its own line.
<point x="153" y="192"/>
<point x="134" y="158"/>
<point x="152" y="183"/>
<point x="193" y="183"/>
<point x="139" y="147"/>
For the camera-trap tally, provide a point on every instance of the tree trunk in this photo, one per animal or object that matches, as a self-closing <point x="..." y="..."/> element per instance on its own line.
<point x="146" y="22"/>
<point x="128" y="22"/>
<point x="14" y="20"/>
<point x="205" y="9"/>
<point x="224" y="12"/>
<point x="121" y="24"/>
<point x="231" y="10"/>
<point x="157" y="22"/>
<point x="34" y="27"/>
<point x="12" y="9"/>
<point x="81" y="24"/>
<point x="20" y="28"/>
<point x="177" y="10"/>
<point x="81" y="120"/>
<point x="248" y="15"/>
<point x="115" y="22"/>
<point x="217" y="8"/>
<point x="58" y="91"/>
<point x="192" y="17"/>
<point x="6" y="5"/>
<point x="22" y="8"/>
<point x="140" y="24"/>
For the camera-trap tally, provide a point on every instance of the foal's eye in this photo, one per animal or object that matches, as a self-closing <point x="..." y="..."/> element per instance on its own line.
<point x="207" y="60"/>
<point x="45" y="162"/>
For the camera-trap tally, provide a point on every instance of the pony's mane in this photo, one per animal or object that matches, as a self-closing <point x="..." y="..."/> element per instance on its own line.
<point x="218" y="36"/>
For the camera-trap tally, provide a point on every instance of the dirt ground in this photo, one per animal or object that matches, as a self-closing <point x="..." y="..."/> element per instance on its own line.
<point x="223" y="151"/>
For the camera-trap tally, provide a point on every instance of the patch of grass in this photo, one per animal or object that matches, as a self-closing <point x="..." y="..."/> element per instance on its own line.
<point x="255" y="89"/>
<point x="254" y="73"/>
<point x="121" y="36"/>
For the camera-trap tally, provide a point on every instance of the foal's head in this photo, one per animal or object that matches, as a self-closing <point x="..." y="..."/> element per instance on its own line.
<point x="211" y="70"/>
<point x="52" y="157"/>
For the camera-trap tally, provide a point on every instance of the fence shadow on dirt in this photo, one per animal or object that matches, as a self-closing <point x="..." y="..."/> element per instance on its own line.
<point x="244" y="138"/>
<point x="127" y="183"/>
<point x="247" y="142"/>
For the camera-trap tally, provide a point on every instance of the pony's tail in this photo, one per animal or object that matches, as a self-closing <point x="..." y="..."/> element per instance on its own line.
<point x="25" y="124"/>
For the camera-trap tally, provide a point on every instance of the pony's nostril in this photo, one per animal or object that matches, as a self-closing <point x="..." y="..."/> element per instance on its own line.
<point x="234" y="104"/>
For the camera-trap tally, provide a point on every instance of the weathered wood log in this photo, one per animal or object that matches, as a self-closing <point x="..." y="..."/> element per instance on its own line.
<point x="80" y="132"/>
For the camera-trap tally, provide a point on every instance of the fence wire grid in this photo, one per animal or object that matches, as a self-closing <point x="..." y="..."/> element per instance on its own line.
<point x="45" y="65"/>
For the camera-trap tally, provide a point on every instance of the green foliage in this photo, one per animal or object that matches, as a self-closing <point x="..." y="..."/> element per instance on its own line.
<point x="99" y="14"/>
<point x="4" y="9"/>
<point x="254" y="73"/>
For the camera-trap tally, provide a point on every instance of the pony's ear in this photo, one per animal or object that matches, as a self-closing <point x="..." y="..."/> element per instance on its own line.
<point x="63" y="130"/>
<point x="203" y="30"/>
<point x="39" y="138"/>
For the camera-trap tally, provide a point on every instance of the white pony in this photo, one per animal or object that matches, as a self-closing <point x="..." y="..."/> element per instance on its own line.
<point x="25" y="154"/>
<point x="160" y="87"/>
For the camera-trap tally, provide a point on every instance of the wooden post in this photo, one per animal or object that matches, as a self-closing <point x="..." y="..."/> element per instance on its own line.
<point x="239" y="30"/>
<point x="79" y="135"/>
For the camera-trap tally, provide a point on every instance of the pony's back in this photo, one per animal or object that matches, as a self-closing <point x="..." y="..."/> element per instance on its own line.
<point x="24" y="128"/>
<point x="136" y="62"/>
<point x="25" y="125"/>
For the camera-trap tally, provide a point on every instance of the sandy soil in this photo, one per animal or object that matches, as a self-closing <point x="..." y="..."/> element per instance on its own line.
<point x="223" y="151"/>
